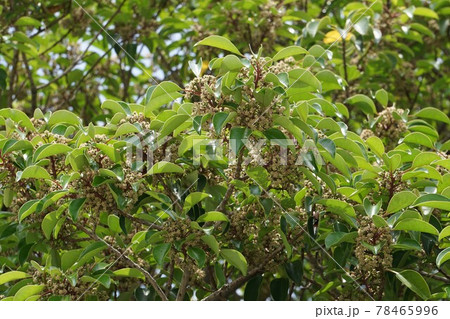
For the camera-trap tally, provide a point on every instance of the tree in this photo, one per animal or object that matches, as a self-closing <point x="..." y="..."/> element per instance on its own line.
<point x="301" y="156"/>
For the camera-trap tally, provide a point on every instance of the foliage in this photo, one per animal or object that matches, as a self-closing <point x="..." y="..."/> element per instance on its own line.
<point x="313" y="169"/>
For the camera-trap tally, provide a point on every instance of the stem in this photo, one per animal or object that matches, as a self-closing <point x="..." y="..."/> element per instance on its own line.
<point x="183" y="285"/>
<point x="344" y="60"/>
<point x="147" y="275"/>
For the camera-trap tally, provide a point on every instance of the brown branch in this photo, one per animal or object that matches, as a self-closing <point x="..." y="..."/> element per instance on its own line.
<point x="228" y="289"/>
<point x="12" y="77"/>
<point x="130" y="262"/>
<point x="151" y="225"/>
<point x="82" y="55"/>
<point x="436" y="277"/>
<point x="32" y="84"/>
<point x="237" y="174"/>
<point x="183" y="285"/>
<point x="170" y="279"/>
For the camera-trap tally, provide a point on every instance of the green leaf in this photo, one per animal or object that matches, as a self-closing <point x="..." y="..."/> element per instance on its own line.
<point x="414" y="224"/>
<point x="64" y="116"/>
<point x="28" y="208"/>
<point x="75" y="206"/>
<point x="376" y="145"/>
<point x="443" y="256"/>
<point x="171" y="125"/>
<point x="13" y="145"/>
<point x="69" y="258"/>
<point x="196" y="67"/>
<point x="418" y="138"/>
<point x="337" y="206"/>
<point x="237" y="135"/>
<point x="90" y="251"/>
<point x="164" y="167"/>
<point x="213" y="216"/>
<point x="194" y="198"/>
<point x="160" y="251"/>
<point x="431" y="113"/>
<point x="27" y="21"/>
<point x="279" y="289"/>
<point x="12" y="275"/>
<point x="444" y="233"/>
<point x="363" y="102"/>
<point x="424" y="158"/>
<point x="251" y="292"/>
<point x="198" y="255"/>
<point x="329" y="146"/>
<point x="425" y="12"/>
<point x="259" y="175"/>
<point x="219" y="121"/>
<point x="28" y="291"/>
<point x="433" y="200"/>
<point x="211" y="241"/>
<point x="295" y="271"/>
<point x="114" y="106"/>
<point x="288" y="52"/>
<point x="382" y="97"/>
<point x="48" y="223"/>
<point x="400" y="201"/>
<point x="126" y="128"/>
<point x="50" y="150"/>
<point x="220" y="42"/>
<point x="34" y="171"/>
<point x="163" y="93"/>
<point x="129" y="272"/>
<point x="236" y="259"/>
<point x="298" y="76"/>
<point x="339" y="237"/>
<point x="414" y="281"/>
<point x="114" y="223"/>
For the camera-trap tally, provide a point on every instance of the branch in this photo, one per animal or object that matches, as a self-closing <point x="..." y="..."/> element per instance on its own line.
<point x="436" y="277"/>
<point x="170" y="279"/>
<point x="32" y="85"/>
<point x="12" y="77"/>
<point x="229" y="192"/>
<point x="151" y="225"/>
<point x="147" y="275"/>
<point x="183" y="285"/>
<point x="228" y="289"/>
<point x="82" y="55"/>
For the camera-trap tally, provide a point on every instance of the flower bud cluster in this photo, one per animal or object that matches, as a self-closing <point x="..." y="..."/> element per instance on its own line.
<point x="389" y="127"/>
<point x="59" y="285"/>
<point x="201" y="91"/>
<point x="371" y="266"/>
<point x="137" y="118"/>
<point x="283" y="66"/>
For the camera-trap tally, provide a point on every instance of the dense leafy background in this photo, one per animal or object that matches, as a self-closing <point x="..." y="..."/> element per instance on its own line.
<point x="359" y="212"/>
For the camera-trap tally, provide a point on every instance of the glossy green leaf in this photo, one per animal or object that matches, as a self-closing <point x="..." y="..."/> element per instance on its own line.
<point x="160" y="251"/>
<point x="198" y="255"/>
<point x="414" y="281"/>
<point x="400" y="200"/>
<point x="413" y="224"/>
<point x="220" y="42"/>
<point x="236" y="259"/>
<point x="164" y="167"/>
<point x="443" y="257"/>
<point x="12" y="275"/>
<point x="213" y="216"/>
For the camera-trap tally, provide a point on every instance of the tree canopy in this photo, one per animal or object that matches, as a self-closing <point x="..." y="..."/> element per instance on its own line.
<point x="224" y="150"/>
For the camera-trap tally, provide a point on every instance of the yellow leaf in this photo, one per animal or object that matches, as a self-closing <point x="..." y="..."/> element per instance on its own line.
<point x="204" y="67"/>
<point x="334" y="36"/>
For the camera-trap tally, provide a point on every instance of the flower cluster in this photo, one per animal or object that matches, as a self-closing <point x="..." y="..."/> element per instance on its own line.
<point x="373" y="251"/>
